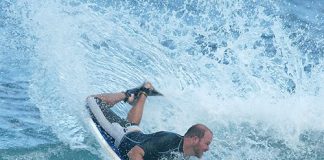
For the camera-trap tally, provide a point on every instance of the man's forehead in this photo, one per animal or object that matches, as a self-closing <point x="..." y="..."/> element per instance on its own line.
<point x="208" y="135"/>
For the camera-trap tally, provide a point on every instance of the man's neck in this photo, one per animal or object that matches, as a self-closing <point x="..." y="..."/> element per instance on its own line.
<point x="187" y="149"/>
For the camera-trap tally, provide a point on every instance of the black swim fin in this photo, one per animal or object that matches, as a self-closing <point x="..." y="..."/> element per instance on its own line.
<point x="137" y="90"/>
<point x="154" y="93"/>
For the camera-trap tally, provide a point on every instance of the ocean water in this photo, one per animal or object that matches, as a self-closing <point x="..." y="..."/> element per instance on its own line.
<point x="253" y="71"/>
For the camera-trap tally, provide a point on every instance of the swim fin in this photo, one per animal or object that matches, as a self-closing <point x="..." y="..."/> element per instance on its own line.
<point x="150" y="92"/>
<point x="137" y="90"/>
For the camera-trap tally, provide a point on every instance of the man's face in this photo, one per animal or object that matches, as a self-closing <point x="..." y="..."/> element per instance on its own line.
<point x="202" y="144"/>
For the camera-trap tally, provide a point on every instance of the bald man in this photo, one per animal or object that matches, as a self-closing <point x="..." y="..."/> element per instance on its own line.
<point x="133" y="144"/>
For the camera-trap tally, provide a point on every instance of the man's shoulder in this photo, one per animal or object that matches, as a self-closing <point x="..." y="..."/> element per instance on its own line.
<point x="165" y="143"/>
<point x="167" y="133"/>
<point x="167" y="136"/>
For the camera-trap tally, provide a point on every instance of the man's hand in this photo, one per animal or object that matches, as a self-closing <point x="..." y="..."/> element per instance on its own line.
<point x="136" y="153"/>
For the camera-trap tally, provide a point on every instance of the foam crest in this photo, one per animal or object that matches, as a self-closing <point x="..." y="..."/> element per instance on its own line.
<point x="230" y="65"/>
<point x="59" y="82"/>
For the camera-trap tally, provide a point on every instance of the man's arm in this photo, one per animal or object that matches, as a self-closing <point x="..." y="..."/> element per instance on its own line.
<point x="136" y="153"/>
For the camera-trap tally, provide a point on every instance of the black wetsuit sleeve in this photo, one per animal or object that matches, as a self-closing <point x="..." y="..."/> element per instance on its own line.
<point x="159" y="144"/>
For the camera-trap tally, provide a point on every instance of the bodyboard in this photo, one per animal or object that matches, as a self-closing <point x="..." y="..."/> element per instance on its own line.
<point x="105" y="140"/>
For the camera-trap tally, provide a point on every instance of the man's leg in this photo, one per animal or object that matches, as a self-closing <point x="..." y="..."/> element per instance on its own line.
<point x="113" y="129"/>
<point x="136" y="112"/>
<point x="112" y="98"/>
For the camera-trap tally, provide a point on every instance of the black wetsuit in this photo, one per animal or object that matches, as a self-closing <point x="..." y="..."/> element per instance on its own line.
<point x="160" y="145"/>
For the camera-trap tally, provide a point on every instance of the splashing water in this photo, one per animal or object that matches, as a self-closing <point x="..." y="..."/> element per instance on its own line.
<point x="251" y="71"/>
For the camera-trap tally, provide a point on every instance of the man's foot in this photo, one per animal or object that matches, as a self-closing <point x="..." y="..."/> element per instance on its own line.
<point x="133" y="94"/>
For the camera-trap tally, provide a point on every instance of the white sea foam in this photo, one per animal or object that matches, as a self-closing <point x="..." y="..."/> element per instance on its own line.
<point x="239" y="73"/>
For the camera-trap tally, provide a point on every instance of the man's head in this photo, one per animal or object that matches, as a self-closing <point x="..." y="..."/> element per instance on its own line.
<point x="197" y="140"/>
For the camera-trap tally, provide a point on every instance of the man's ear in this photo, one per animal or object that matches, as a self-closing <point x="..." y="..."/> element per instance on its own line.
<point x="195" y="139"/>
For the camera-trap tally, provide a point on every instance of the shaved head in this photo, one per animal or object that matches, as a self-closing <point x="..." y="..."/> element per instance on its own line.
<point x="197" y="130"/>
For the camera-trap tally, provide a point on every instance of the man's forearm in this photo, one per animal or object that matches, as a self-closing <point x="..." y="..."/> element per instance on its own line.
<point x="136" y="153"/>
<point x="136" y="158"/>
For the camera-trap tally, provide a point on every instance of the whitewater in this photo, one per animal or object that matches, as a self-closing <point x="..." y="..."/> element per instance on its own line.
<point x="252" y="71"/>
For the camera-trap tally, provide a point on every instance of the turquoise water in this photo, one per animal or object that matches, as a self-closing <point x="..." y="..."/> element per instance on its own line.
<point x="251" y="70"/>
